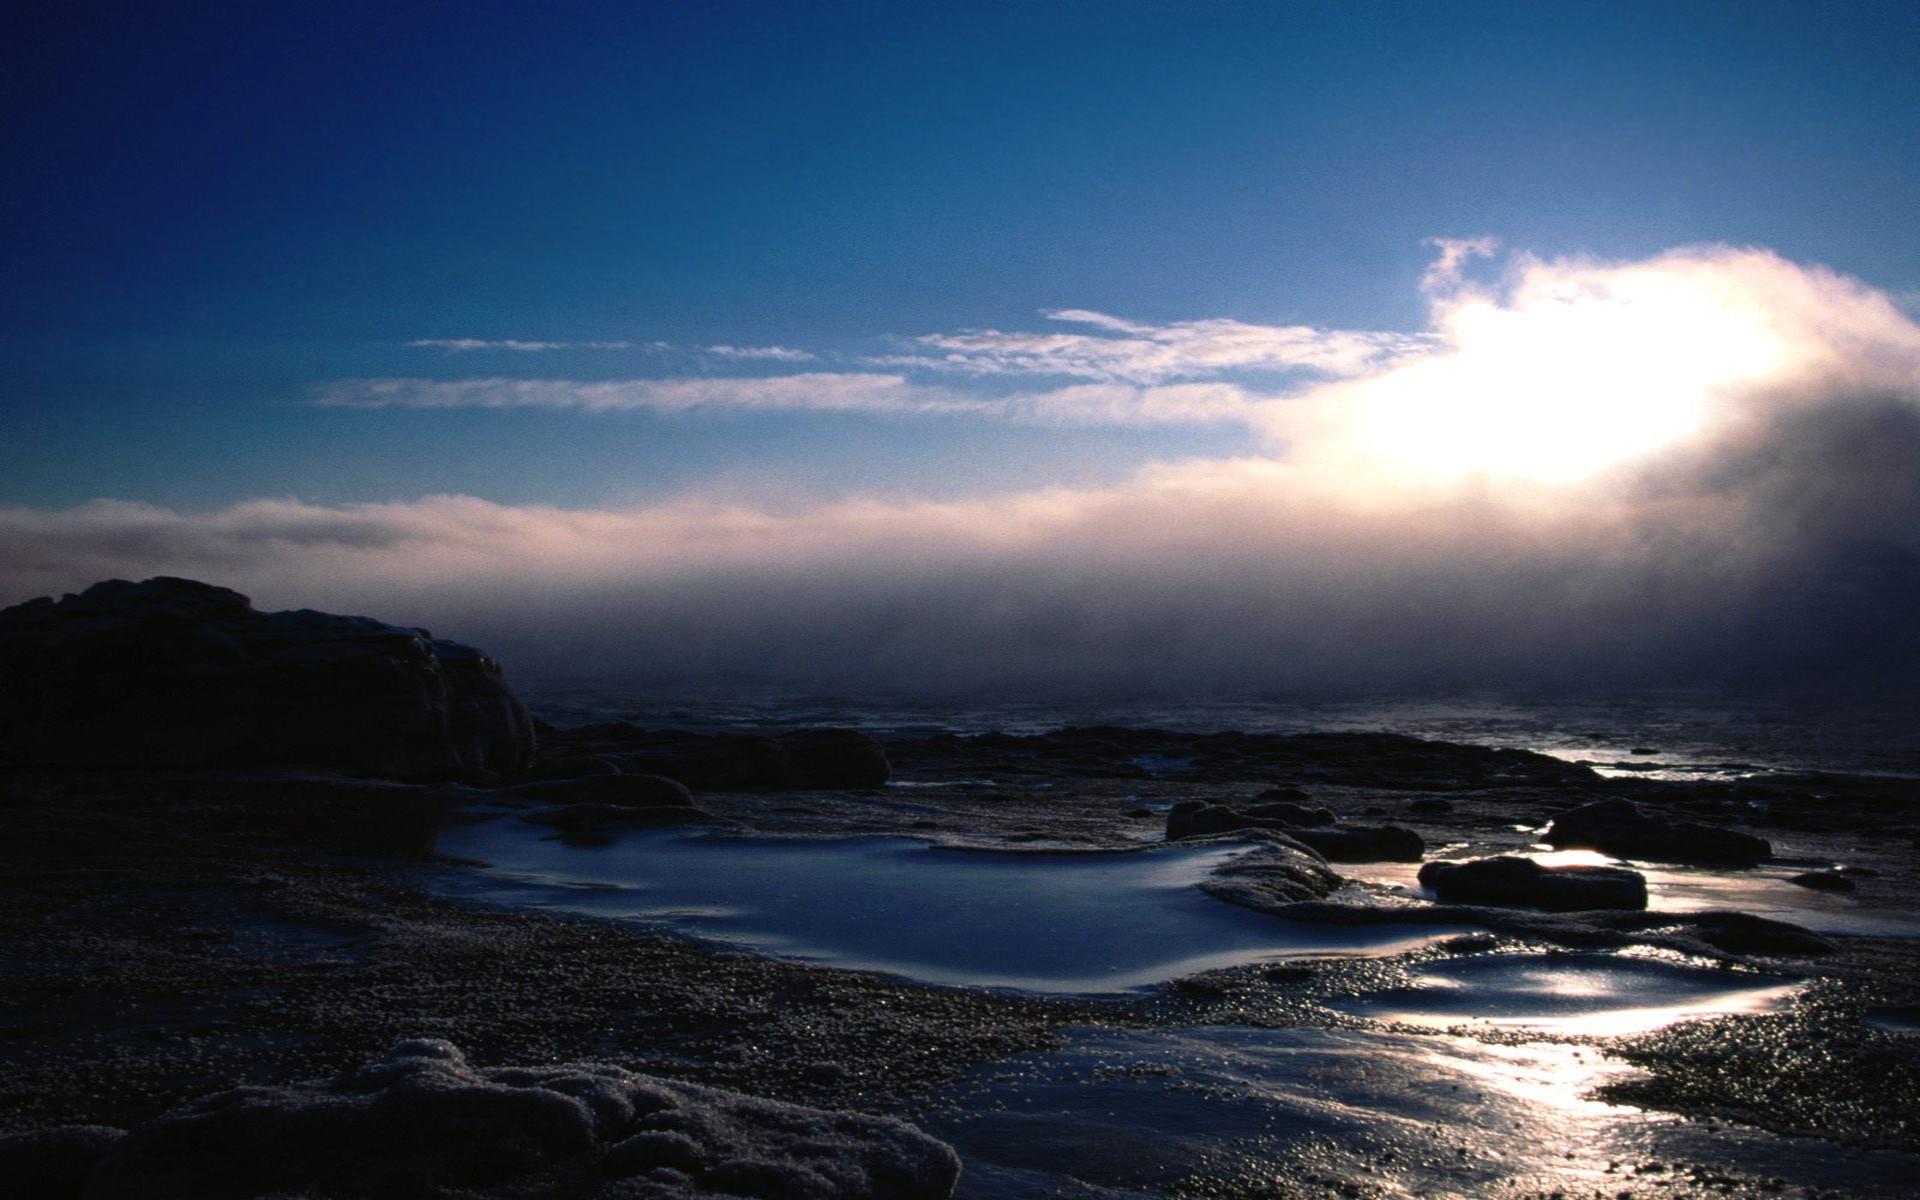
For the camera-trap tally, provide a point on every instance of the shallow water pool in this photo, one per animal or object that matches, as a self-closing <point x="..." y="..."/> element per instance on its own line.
<point x="1070" y="923"/>
<point x="1599" y="995"/>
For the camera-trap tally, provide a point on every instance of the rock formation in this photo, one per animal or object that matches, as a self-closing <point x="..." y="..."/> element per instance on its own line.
<point x="171" y="673"/>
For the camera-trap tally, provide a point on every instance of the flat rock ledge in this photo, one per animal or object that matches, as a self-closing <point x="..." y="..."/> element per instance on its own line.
<point x="424" y="1121"/>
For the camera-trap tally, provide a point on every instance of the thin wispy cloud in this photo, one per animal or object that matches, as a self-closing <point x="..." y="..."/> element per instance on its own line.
<point x="767" y="353"/>
<point x="819" y="392"/>
<point x="466" y="344"/>
<point x="1132" y="352"/>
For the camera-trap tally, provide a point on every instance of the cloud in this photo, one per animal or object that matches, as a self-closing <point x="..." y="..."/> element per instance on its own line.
<point x="463" y="344"/>
<point x="1394" y="538"/>
<point x="819" y="392"/>
<point x="769" y="353"/>
<point x="1131" y="352"/>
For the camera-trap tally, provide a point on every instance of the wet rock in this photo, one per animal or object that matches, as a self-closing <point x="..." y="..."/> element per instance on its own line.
<point x="811" y="758"/>
<point x="593" y="818"/>
<point x="54" y="1162"/>
<point x="1622" y="828"/>
<point x="1823" y="881"/>
<point x="424" y="1119"/>
<point x="1744" y="933"/>
<point x="1339" y="843"/>
<point x="1288" y="813"/>
<point x="1364" y="843"/>
<point x="1431" y="806"/>
<point x="173" y="673"/>
<point x="1509" y="881"/>
<point x="625" y="791"/>
<point x="835" y="758"/>
<point x="570" y="766"/>
<point x="1284" y="795"/>
<point x="1193" y="818"/>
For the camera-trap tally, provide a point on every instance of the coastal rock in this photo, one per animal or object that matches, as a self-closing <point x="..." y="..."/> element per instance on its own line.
<point x="596" y="818"/>
<point x="1289" y="813"/>
<point x="1337" y="843"/>
<point x="1823" y="881"/>
<point x="54" y="1162"/>
<point x="174" y="673"/>
<point x="835" y="758"/>
<point x="1623" y="829"/>
<point x="424" y="1119"/>
<point x="1513" y="882"/>
<point x="720" y="762"/>
<point x="624" y="791"/>
<point x="1364" y="843"/>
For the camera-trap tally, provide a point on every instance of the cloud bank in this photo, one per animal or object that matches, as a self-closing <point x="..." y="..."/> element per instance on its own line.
<point x="1700" y="468"/>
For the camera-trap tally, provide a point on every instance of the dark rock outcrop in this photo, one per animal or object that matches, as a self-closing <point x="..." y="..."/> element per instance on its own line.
<point x="1364" y="843"/>
<point x="424" y="1119"/>
<point x="1336" y="843"/>
<point x="1290" y="813"/>
<point x="1622" y="828"/>
<point x="724" y="762"/>
<point x="1513" y="882"/>
<point x="173" y="673"/>
<point x="1823" y="881"/>
<point x="623" y="791"/>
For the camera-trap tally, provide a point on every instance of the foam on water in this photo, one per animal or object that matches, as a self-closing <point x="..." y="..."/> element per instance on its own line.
<point x="1071" y="923"/>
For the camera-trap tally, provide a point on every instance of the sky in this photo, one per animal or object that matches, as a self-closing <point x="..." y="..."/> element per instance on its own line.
<point x="1041" y="346"/>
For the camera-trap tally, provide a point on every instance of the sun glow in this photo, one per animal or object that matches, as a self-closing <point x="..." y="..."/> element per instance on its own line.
<point x="1564" y="378"/>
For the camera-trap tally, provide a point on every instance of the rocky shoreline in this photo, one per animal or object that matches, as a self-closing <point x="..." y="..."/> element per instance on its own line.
<point x="176" y="932"/>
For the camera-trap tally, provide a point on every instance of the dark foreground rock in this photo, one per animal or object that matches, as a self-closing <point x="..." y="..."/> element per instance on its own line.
<point x="1622" y="828"/>
<point x="1509" y="881"/>
<point x="425" y="1118"/>
<point x="171" y="673"/>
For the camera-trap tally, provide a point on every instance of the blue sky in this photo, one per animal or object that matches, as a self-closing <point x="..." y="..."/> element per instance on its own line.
<point x="215" y="212"/>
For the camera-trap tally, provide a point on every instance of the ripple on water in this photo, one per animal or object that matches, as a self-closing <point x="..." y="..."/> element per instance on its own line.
<point x="1587" y="994"/>
<point x="1069" y="923"/>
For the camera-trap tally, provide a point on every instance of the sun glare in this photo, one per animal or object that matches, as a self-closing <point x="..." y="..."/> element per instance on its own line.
<point x="1562" y="382"/>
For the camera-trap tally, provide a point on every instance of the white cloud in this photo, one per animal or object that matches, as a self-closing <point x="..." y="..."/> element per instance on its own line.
<point x="1131" y="352"/>
<point x="825" y="392"/>
<point x="463" y="344"/>
<point x="769" y="353"/>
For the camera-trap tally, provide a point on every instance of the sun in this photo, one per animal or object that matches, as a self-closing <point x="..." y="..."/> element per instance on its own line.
<point x="1563" y="379"/>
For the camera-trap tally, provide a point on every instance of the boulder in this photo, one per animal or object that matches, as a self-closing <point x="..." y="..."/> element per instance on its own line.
<point x="1623" y="829"/>
<point x="177" y="674"/>
<point x="1823" y="881"/>
<point x="835" y="758"/>
<point x="54" y="1162"/>
<point x="1430" y="806"/>
<point x="1364" y="843"/>
<point x="1510" y="881"/>
<point x="424" y="1121"/>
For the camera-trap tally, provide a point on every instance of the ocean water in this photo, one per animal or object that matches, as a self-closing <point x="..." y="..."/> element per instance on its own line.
<point x="1665" y="735"/>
